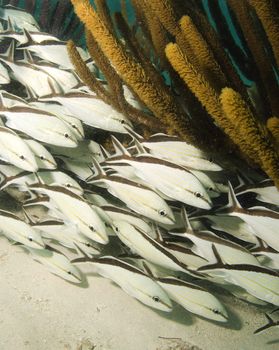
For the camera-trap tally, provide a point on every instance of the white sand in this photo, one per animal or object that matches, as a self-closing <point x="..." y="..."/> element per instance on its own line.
<point x="40" y="311"/>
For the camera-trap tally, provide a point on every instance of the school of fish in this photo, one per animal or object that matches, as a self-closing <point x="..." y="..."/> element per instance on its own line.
<point x="156" y="216"/>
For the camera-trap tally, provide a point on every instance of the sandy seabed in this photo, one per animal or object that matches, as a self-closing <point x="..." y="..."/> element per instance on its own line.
<point x="39" y="311"/>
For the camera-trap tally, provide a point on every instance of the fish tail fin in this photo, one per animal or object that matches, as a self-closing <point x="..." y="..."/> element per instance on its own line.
<point x="27" y="56"/>
<point x="140" y="147"/>
<point x="28" y="38"/>
<point x="32" y="96"/>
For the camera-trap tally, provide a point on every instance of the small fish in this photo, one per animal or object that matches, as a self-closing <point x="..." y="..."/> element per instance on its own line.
<point x="56" y="263"/>
<point x="59" y="111"/>
<point x="270" y="323"/>
<point x="259" y="281"/>
<point x="178" y="151"/>
<point x="137" y="197"/>
<point x="40" y="125"/>
<point x="43" y="157"/>
<point x="76" y="209"/>
<point x="230" y="252"/>
<point x="172" y="180"/>
<point x="18" y="18"/>
<point x="92" y="111"/>
<point x="264" y="222"/>
<point x="27" y="74"/>
<point x="147" y="247"/>
<point x="194" y="298"/>
<point x="116" y="213"/>
<point x="16" y="229"/>
<point x="65" y="234"/>
<point x="132" y="280"/>
<point x="265" y="190"/>
<point x="26" y="36"/>
<point x="14" y="150"/>
<point x="53" y="51"/>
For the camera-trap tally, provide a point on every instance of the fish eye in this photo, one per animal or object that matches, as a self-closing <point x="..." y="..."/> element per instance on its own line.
<point x="22" y="157"/>
<point x="30" y="239"/>
<point x="122" y="121"/>
<point x="88" y="245"/>
<point x="216" y="311"/>
<point x="198" y="194"/>
<point x="74" y="126"/>
<point x="210" y="189"/>
<point x="68" y="185"/>
<point x="91" y="228"/>
<point x="116" y="229"/>
<point x="66" y="135"/>
<point x="42" y="157"/>
<point x="162" y="212"/>
<point x="69" y="273"/>
<point x="155" y="298"/>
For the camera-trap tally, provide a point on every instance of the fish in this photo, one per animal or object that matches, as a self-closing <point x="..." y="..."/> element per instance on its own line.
<point x="76" y="209"/>
<point x="230" y="252"/>
<point x="59" y="111"/>
<point x="56" y="263"/>
<point x="27" y="74"/>
<point x="270" y="323"/>
<point x="132" y="280"/>
<point x="53" y="51"/>
<point x="40" y="125"/>
<point x="19" y="231"/>
<point x="26" y="36"/>
<point x="15" y="150"/>
<point x="264" y="222"/>
<point x="174" y="149"/>
<point x="194" y="298"/>
<point x="261" y="282"/>
<point x="65" y="234"/>
<point x="116" y="213"/>
<point x="43" y="157"/>
<point x="92" y="111"/>
<point x="147" y="247"/>
<point x="137" y="197"/>
<point x="18" y="18"/>
<point x="174" y="181"/>
<point x="265" y="190"/>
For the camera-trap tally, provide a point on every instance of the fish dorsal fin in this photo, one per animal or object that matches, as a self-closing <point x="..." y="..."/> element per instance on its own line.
<point x="233" y="202"/>
<point x="148" y="271"/>
<point x="104" y="152"/>
<point x="28" y="37"/>
<point x="27" y="56"/>
<point x="54" y="88"/>
<point x="28" y="217"/>
<point x="217" y="255"/>
<point x="133" y="134"/>
<point x="83" y="258"/>
<point x="119" y="148"/>
<point x="32" y="96"/>
<point x="100" y="172"/>
<point x="10" y="53"/>
<point x="10" y="26"/>
<point x="140" y="147"/>
<point x="2" y="101"/>
<point x="156" y="229"/>
<point x="186" y="221"/>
